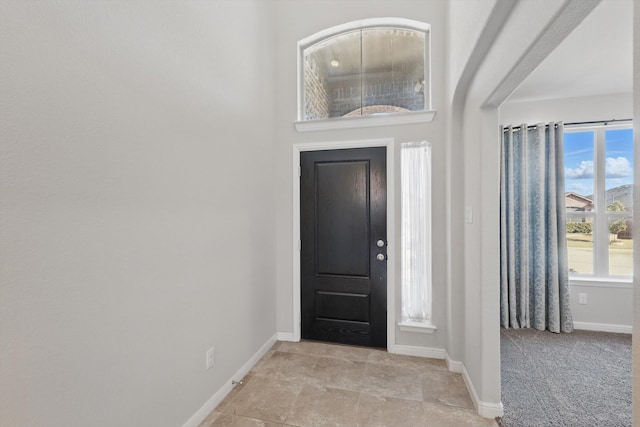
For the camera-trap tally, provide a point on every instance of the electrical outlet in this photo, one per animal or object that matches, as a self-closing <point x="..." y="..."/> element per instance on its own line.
<point x="582" y="298"/>
<point x="210" y="358"/>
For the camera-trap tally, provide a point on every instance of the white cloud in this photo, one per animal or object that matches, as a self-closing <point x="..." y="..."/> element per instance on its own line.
<point x="618" y="167"/>
<point x="584" y="170"/>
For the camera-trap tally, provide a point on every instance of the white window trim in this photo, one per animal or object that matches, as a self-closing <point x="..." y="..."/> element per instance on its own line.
<point x="410" y="324"/>
<point x="383" y="119"/>
<point x="599" y="282"/>
<point x="420" y="327"/>
<point x="388" y="119"/>
<point x="600" y="246"/>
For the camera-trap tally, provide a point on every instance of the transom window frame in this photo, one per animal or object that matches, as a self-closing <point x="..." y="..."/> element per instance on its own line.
<point x="397" y="118"/>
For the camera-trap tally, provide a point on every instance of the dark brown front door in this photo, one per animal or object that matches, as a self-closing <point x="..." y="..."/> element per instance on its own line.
<point x="343" y="226"/>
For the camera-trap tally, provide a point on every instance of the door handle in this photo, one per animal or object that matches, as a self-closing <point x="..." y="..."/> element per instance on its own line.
<point x="380" y="243"/>
<point x="381" y="257"/>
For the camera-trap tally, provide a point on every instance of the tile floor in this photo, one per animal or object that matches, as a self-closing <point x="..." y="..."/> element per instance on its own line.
<point x="316" y="384"/>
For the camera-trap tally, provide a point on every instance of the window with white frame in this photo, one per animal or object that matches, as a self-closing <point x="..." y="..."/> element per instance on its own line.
<point x="416" y="234"/>
<point x="365" y="68"/>
<point x="599" y="201"/>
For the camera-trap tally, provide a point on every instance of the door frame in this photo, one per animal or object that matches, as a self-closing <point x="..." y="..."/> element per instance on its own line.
<point x="390" y="145"/>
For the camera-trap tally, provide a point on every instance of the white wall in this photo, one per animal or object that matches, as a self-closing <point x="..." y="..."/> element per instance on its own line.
<point x="525" y="38"/>
<point x="636" y="207"/>
<point x="477" y="140"/>
<point x="466" y="20"/>
<point x="469" y="36"/>
<point x="580" y="109"/>
<point x="609" y="304"/>
<point x="296" y="20"/>
<point x="609" y="307"/>
<point x="137" y="212"/>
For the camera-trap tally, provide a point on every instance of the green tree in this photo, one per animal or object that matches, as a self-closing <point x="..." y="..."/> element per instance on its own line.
<point x="617" y="225"/>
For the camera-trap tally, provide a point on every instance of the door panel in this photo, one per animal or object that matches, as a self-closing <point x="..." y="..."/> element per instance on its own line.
<point x="343" y="215"/>
<point x="341" y="305"/>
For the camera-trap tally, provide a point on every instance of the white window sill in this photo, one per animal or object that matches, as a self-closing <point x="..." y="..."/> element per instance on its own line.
<point x="420" y="327"/>
<point x="612" y="282"/>
<point x="356" y="122"/>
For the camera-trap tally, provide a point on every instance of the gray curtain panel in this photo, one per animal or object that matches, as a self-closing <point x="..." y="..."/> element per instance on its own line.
<point x="534" y="282"/>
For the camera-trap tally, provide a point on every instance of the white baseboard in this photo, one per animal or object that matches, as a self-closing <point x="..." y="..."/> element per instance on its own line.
<point x="219" y="395"/>
<point x="408" y="350"/>
<point x="603" y="327"/>
<point x="484" y="409"/>
<point x="286" y="336"/>
<point x="490" y="409"/>
<point x="454" y="365"/>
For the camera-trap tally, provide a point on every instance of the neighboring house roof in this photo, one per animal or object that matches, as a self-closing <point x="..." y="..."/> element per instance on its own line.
<point x="622" y="193"/>
<point x="576" y="202"/>
<point x="578" y="197"/>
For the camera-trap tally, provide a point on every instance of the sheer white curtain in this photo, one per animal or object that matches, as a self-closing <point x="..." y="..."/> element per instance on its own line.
<point x="416" y="231"/>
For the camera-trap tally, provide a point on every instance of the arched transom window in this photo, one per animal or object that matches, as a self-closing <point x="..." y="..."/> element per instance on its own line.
<point x="371" y="67"/>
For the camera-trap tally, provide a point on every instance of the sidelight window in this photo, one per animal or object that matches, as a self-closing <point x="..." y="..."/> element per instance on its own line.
<point x="416" y="236"/>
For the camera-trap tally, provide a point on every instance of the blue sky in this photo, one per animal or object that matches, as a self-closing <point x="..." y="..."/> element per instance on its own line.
<point x="579" y="157"/>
